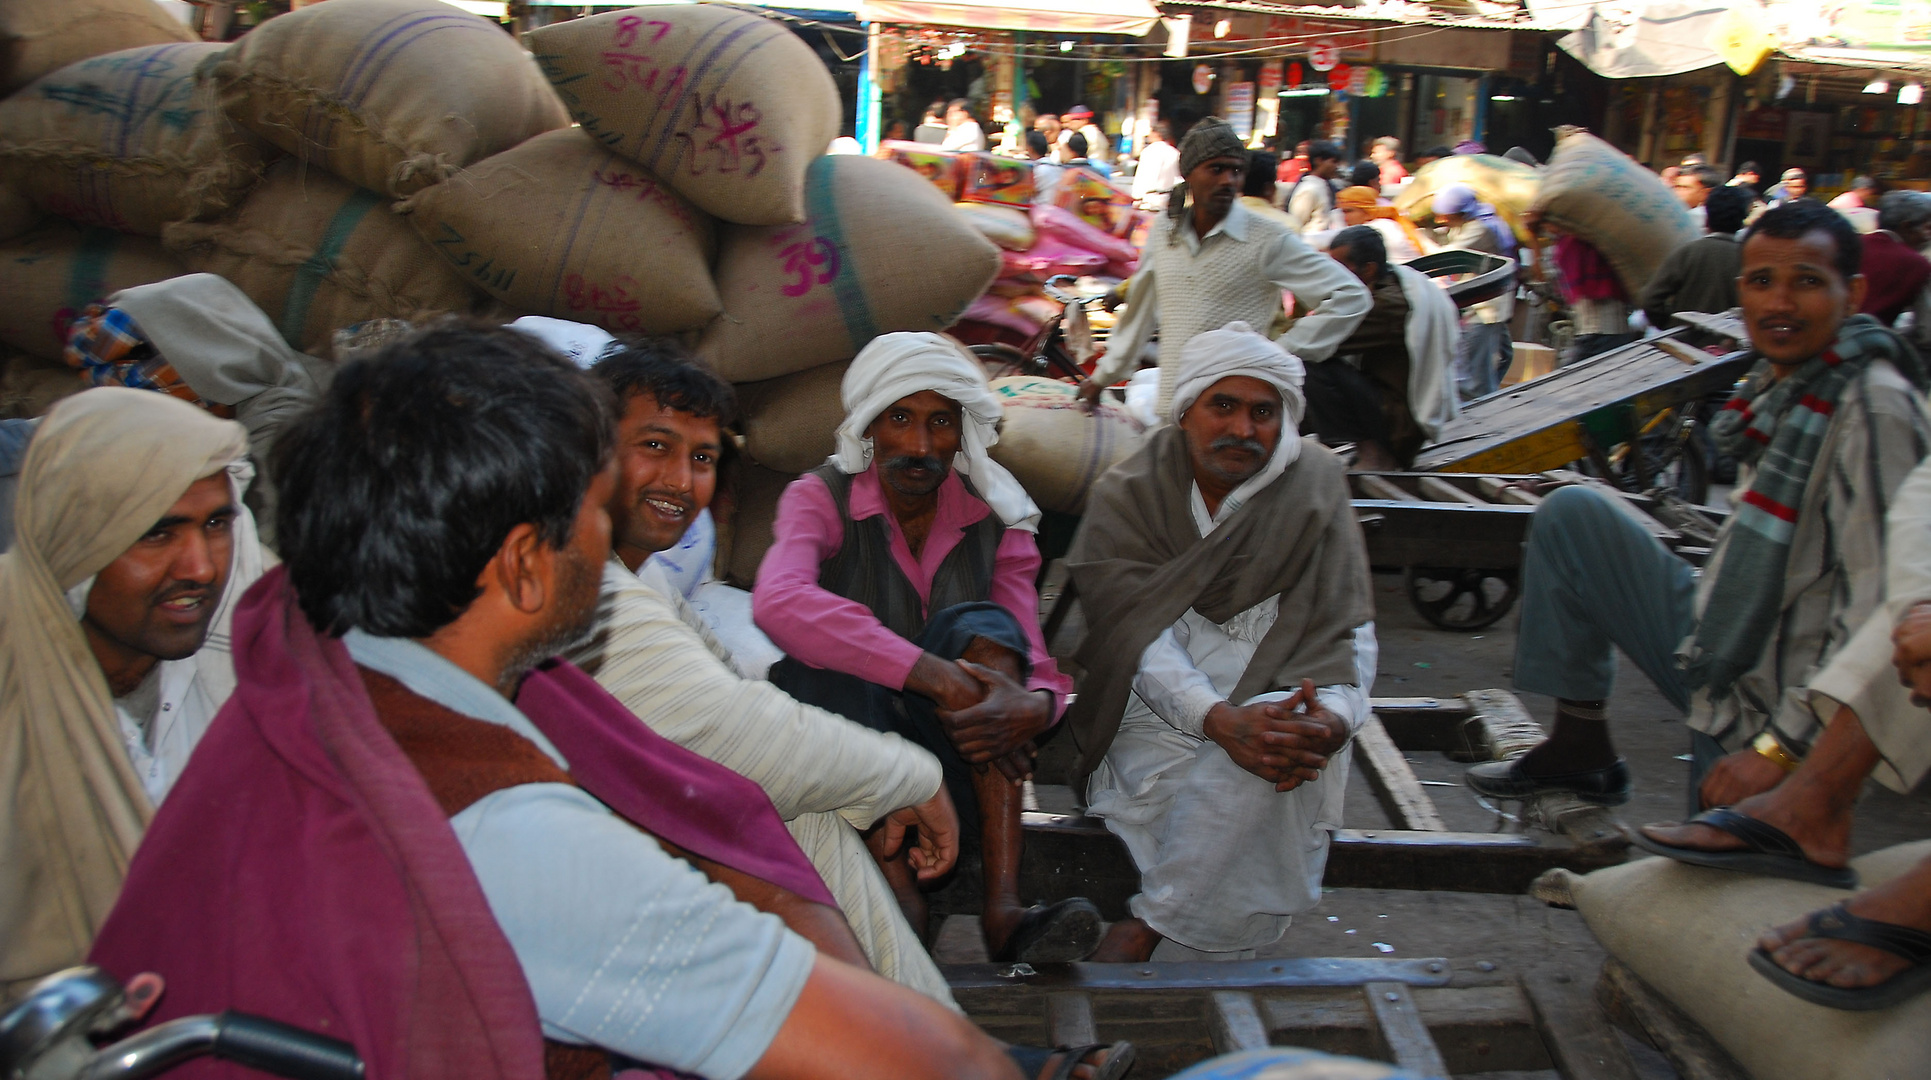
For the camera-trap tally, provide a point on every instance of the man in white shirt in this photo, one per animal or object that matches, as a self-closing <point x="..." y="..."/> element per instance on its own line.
<point x="962" y="132"/>
<point x="1159" y="168"/>
<point x="828" y="777"/>
<point x="1208" y="261"/>
<point x="1693" y="186"/>
<point x="1229" y="660"/>
<point x="1310" y="202"/>
<point x="1079" y="119"/>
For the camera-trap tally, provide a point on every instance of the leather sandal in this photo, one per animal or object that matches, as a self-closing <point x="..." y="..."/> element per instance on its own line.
<point x="1836" y="923"/>
<point x="1032" y="1060"/>
<point x="1770" y="851"/>
<point x="1055" y="934"/>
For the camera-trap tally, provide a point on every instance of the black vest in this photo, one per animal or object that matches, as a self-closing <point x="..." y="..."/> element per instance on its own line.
<point x="864" y="570"/>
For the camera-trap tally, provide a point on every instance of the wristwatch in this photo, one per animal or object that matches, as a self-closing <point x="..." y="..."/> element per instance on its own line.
<point x="1767" y="745"/>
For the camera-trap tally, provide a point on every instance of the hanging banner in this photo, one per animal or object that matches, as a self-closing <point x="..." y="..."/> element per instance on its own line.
<point x="1238" y="100"/>
<point x="1267" y="100"/>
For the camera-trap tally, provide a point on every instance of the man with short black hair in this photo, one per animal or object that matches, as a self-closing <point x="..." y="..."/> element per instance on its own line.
<point x="1310" y="202"/>
<point x="1900" y="277"/>
<point x="1702" y="274"/>
<point x="1693" y="186"/>
<point x="962" y="132"/>
<point x="827" y="776"/>
<point x="1825" y="427"/>
<point x="1158" y="169"/>
<point x="1794" y="185"/>
<point x="416" y="831"/>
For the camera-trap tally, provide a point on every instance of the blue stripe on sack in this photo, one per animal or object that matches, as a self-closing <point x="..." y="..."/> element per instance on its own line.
<point x="690" y="80"/>
<point x="373" y="58"/>
<point x="821" y="211"/>
<point x="570" y="235"/>
<point x="667" y="138"/>
<point x="309" y="276"/>
<point x="87" y="281"/>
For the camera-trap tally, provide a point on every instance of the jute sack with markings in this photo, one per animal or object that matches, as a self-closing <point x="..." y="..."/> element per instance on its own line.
<point x="318" y="254"/>
<point x="39" y="36"/>
<point x="1053" y="447"/>
<point x="747" y="534"/>
<point x="561" y="226"/>
<point x="881" y="251"/>
<point x="50" y="275"/>
<point x="791" y="422"/>
<point x="133" y="140"/>
<point x="1688" y="932"/>
<point x="726" y="105"/>
<point x="1604" y="196"/>
<point x="392" y="95"/>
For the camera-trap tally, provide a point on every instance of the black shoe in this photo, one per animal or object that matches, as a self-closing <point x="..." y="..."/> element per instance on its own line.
<point x="1056" y="934"/>
<point x="1507" y="780"/>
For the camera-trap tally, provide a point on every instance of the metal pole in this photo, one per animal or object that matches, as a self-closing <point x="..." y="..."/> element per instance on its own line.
<point x="867" y="121"/>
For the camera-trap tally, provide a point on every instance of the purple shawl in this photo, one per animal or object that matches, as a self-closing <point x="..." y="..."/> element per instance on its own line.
<point x="301" y="870"/>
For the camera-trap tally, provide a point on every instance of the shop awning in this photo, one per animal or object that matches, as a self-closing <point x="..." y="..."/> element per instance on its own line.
<point x="1635" y="39"/>
<point x="1134" y="17"/>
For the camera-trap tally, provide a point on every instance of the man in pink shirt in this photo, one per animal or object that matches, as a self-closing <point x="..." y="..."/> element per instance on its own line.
<point x="900" y="586"/>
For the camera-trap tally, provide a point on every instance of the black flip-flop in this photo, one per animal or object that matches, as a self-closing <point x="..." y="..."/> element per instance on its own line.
<point x="1055" y="934"/>
<point x="1836" y="923"/>
<point x="1031" y="1059"/>
<point x="1771" y="851"/>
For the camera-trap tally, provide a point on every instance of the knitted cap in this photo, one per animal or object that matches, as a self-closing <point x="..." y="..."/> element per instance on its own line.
<point x="1209" y="139"/>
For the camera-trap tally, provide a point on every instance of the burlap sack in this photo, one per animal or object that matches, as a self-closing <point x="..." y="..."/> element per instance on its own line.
<point x="1009" y="227"/>
<point x="39" y="36"/>
<point x="881" y="251"/>
<point x="318" y="254"/>
<point x="790" y="423"/>
<point x="132" y="140"/>
<point x="562" y="227"/>
<point x="1054" y="449"/>
<point x="744" y="535"/>
<point x="393" y="95"/>
<point x="1509" y="186"/>
<point x="1688" y="932"/>
<point x="18" y="214"/>
<point x="51" y="274"/>
<point x="726" y="105"/>
<point x="1600" y="194"/>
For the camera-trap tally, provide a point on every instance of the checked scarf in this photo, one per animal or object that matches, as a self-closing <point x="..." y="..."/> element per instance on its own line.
<point x="108" y="349"/>
<point x="1779" y="427"/>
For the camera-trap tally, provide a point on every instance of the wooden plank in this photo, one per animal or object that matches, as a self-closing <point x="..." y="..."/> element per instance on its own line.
<point x="1374" y="487"/>
<point x="1500" y="489"/>
<point x="1477" y="1029"/>
<point x="1069" y="1020"/>
<point x="1394" y="783"/>
<point x="1651" y="1017"/>
<point x="1577" y="1034"/>
<point x="1286" y="973"/>
<point x="1402" y="1032"/>
<point x="1234" y="1023"/>
<point x="1439" y="490"/>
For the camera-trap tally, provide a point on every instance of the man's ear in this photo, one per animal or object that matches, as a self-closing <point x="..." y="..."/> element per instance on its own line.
<point x="1858" y="286"/>
<point x="521" y="569"/>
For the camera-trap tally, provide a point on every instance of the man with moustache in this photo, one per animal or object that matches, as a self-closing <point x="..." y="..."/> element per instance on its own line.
<point x="828" y="777"/>
<point x="1209" y="261"/>
<point x="414" y="830"/>
<point x="1229" y="657"/>
<point x="900" y="587"/>
<point x="115" y="605"/>
<point x="1827" y="425"/>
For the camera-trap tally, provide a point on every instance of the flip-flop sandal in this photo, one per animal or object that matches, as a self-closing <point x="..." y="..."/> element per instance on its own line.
<point x="1056" y="934"/>
<point x="1771" y="851"/>
<point x="1031" y="1059"/>
<point x="1838" y="924"/>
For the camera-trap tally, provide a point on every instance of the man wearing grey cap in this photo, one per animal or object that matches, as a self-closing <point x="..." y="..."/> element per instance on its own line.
<point x="1209" y="261"/>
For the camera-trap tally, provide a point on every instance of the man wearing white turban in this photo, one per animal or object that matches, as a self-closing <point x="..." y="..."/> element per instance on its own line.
<point x="1229" y="656"/>
<point x="900" y="586"/>
<point x="131" y="548"/>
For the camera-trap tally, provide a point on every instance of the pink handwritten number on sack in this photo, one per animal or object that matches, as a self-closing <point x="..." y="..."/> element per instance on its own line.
<point x="725" y="139"/>
<point x="625" y="66"/>
<point x="804" y="259"/>
<point x="612" y="300"/>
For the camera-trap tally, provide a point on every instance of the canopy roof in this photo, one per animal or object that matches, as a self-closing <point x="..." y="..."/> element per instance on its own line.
<point x="1134" y="17"/>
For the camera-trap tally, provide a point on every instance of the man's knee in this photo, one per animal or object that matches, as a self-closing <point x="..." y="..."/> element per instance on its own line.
<point x="1572" y="512"/>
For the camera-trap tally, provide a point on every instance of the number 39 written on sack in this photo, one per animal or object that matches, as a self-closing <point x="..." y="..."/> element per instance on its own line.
<point x="815" y="261"/>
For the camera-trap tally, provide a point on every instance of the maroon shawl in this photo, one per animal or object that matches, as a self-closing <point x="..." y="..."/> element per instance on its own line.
<point x="301" y="870"/>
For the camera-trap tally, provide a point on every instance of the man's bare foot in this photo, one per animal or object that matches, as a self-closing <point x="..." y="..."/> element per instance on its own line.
<point x="1903" y="901"/>
<point x="1129" y="941"/>
<point x="1820" y="827"/>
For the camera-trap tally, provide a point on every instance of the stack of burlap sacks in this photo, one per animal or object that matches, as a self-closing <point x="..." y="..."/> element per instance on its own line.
<point x="368" y="159"/>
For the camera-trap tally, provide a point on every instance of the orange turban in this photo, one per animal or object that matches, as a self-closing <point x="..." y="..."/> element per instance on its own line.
<point x="1368" y="200"/>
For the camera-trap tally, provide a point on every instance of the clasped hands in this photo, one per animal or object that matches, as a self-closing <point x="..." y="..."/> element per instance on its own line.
<point x="991" y="719"/>
<point x="1286" y="743"/>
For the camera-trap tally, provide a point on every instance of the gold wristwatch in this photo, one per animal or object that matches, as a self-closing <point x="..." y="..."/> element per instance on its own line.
<point x="1767" y="745"/>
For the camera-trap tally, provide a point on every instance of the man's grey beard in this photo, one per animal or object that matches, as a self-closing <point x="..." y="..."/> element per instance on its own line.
<point x="571" y="626"/>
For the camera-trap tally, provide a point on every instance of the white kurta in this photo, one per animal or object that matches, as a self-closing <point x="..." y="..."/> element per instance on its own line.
<point x="1225" y="860"/>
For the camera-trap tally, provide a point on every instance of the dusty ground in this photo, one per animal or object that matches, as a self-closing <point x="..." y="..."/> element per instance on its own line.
<point x="1513" y="931"/>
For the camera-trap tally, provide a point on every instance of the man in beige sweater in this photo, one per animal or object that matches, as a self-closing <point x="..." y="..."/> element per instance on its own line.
<point x="830" y="779"/>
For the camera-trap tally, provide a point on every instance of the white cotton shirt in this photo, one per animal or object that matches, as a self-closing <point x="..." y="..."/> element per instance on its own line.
<point x="625" y="946"/>
<point x="161" y="721"/>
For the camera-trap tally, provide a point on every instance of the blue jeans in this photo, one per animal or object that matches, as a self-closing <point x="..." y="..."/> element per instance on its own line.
<point x="1485" y="353"/>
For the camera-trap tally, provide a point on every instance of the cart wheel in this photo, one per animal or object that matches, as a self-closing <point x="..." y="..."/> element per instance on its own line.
<point x="1459" y="598"/>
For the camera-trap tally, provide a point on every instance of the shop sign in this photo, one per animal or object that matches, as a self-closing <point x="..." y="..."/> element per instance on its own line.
<point x="1358" y="80"/>
<point x="1203" y="79"/>
<point x="1238" y="100"/>
<point x="1267" y="99"/>
<point x="1354" y="42"/>
<point x="1323" y="54"/>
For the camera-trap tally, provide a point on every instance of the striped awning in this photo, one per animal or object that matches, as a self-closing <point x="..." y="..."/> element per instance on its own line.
<point x="1134" y="17"/>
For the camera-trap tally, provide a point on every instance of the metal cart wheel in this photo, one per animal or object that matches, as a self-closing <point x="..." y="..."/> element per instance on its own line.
<point x="1461" y="598"/>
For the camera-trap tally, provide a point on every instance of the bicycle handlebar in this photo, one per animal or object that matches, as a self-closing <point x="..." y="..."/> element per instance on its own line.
<point x="254" y="1041"/>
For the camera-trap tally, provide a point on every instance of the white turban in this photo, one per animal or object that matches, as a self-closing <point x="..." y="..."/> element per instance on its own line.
<point x="896" y="366"/>
<point x="1235" y="349"/>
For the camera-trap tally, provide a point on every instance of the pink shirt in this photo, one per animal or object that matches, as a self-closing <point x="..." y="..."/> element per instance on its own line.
<point x="825" y="630"/>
